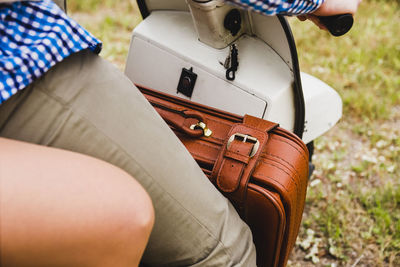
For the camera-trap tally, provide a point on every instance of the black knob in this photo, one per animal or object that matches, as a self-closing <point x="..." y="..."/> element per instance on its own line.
<point x="187" y="82"/>
<point x="233" y="21"/>
<point x="338" y="25"/>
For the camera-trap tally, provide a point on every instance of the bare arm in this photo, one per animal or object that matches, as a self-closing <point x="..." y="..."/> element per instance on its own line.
<point x="335" y="7"/>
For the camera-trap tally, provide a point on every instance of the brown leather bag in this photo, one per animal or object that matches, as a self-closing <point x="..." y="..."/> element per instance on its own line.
<point x="261" y="168"/>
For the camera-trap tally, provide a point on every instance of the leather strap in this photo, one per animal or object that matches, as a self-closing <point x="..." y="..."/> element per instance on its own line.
<point x="179" y="118"/>
<point x="238" y="158"/>
<point x="259" y="124"/>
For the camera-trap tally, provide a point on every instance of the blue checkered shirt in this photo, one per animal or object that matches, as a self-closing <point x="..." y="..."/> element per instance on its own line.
<point x="34" y="36"/>
<point x="273" y="7"/>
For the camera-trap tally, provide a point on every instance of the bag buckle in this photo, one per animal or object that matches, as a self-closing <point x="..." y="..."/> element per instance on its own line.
<point x="245" y="139"/>
<point x="201" y="125"/>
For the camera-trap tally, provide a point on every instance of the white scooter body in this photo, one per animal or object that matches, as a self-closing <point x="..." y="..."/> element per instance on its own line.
<point x="265" y="84"/>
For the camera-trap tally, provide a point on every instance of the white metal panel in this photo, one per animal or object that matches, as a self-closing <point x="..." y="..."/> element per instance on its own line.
<point x="323" y="107"/>
<point x="262" y="73"/>
<point x="158" y="69"/>
<point x="270" y="30"/>
<point x="261" y="69"/>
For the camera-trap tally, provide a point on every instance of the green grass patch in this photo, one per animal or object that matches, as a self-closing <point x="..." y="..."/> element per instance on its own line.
<point x="383" y="206"/>
<point x="112" y="21"/>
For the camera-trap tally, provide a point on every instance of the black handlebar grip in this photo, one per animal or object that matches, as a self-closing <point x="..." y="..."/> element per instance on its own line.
<point x="338" y="25"/>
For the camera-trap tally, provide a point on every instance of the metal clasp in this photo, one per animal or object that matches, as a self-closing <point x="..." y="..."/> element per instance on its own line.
<point x="201" y="125"/>
<point x="233" y="63"/>
<point x="245" y="139"/>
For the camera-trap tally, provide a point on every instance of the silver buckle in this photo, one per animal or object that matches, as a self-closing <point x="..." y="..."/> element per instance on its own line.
<point x="245" y="138"/>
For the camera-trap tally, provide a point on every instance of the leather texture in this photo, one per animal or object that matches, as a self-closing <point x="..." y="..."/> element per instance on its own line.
<point x="261" y="168"/>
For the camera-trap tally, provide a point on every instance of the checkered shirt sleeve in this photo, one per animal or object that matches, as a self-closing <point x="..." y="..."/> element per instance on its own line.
<point x="34" y="36"/>
<point x="286" y="7"/>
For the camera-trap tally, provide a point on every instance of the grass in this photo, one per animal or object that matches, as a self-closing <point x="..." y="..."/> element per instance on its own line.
<point x="383" y="205"/>
<point x="110" y="21"/>
<point x="352" y="215"/>
<point x="356" y="208"/>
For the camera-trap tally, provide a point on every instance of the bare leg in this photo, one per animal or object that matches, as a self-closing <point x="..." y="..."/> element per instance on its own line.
<point x="61" y="208"/>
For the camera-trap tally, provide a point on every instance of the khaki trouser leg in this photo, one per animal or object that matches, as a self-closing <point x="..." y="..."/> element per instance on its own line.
<point x="84" y="104"/>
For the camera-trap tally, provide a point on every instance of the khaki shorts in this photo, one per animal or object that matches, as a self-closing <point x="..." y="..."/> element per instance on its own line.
<point x="86" y="105"/>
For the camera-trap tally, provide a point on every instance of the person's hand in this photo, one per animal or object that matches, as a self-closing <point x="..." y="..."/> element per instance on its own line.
<point x="330" y="8"/>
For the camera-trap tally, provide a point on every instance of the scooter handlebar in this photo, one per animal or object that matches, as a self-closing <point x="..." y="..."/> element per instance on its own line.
<point x="338" y="25"/>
